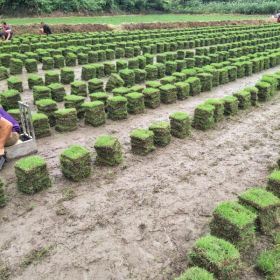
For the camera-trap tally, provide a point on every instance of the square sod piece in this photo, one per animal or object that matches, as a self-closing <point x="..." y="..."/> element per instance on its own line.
<point x="180" y="123"/>
<point x="266" y="205"/>
<point x="128" y="77"/>
<point x="162" y="133"/>
<point x="195" y="85"/>
<point x="117" y="108"/>
<point x="41" y="125"/>
<point x="99" y="96"/>
<point x="217" y="256"/>
<point x="196" y="273"/>
<point x="204" y="117"/>
<point x="88" y="72"/>
<point x="94" y="113"/>
<point x="4" y="74"/>
<point x="142" y="141"/>
<point x="235" y="223"/>
<point x="15" y="83"/>
<point x="230" y="105"/>
<point x="244" y="99"/>
<point x="168" y="94"/>
<point x="206" y="80"/>
<point x="135" y="103"/>
<point x="274" y="182"/>
<point x="32" y="174"/>
<point x="66" y="120"/>
<point x="219" y="108"/>
<point x="16" y="66"/>
<point x="109" y="151"/>
<point x="254" y="95"/>
<point x="153" y="84"/>
<point x="79" y="88"/>
<point x="75" y="163"/>
<point x="151" y="97"/>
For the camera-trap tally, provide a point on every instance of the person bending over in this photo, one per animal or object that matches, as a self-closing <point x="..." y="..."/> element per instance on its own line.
<point x="9" y="133"/>
<point x="45" y="29"/>
<point x="7" y="33"/>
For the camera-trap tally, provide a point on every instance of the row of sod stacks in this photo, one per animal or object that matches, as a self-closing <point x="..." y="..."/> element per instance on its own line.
<point x="180" y="124"/>
<point x="41" y="125"/>
<point x="117" y="108"/>
<point x="94" y="113"/>
<point x="47" y="107"/>
<point x="75" y="163"/>
<point x="162" y="133"/>
<point x="57" y="92"/>
<point x="9" y="99"/>
<point x="151" y="97"/>
<point x="204" y="116"/>
<point x="109" y="151"/>
<point x="66" y="120"/>
<point x="142" y="141"/>
<point x="32" y="174"/>
<point x="135" y="103"/>
<point x="15" y="83"/>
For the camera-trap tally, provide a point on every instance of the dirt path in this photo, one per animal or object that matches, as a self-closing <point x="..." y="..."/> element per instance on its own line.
<point x="138" y="220"/>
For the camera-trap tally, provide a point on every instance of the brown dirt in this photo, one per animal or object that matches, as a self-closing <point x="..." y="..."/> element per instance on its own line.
<point x="138" y="220"/>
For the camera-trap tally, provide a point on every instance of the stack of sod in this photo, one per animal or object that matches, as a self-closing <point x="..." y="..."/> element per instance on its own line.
<point x="109" y="68"/>
<point x="117" y="108"/>
<point x="140" y="76"/>
<point x="135" y="103"/>
<point x="232" y="73"/>
<point x="67" y="75"/>
<point x="16" y="66"/>
<point x="180" y="125"/>
<point x="122" y="91"/>
<point x="4" y="74"/>
<point x="66" y="120"/>
<point x="153" y="84"/>
<point x="110" y="54"/>
<point x="152" y="72"/>
<point x="264" y="89"/>
<point x="32" y="174"/>
<point x="168" y="80"/>
<point x="274" y="182"/>
<point x="206" y="80"/>
<point x="171" y="67"/>
<point x="51" y="77"/>
<point x="15" y="83"/>
<point x="41" y="125"/>
<point x="9" y="99"/>
<point x="82" y="58"/>
<point x="195" y="85"/>
<point x="109" y="151"/>
<point x="113" y="82"/>
<point x="99" y="96"/>
<point x="219" y="108"/>
<point x="204" y="116"/>
<point x="74" y="101"/>
<point x="31" y="65"/>
<point x="48" y="63"/>
<point x="234" y="223"/>
<point x="35" y="80"/>
<point x="88" y="72"/>
<point x="254" y="95"/>
<point x="196" y="273"/>
<point x="217" y="256"/>
<point x="95" y="85"/>
<point x="151" y="97"/>
<point x="133" y="63"/>
<point x="94" y="113"/>
<point x="41" y="92"/>
<point x="266" y="205"/>
<point x="160" y="70"/>
<point x="79" y="88"/>
<point x="59" y="61"/>
<point x="70" y="59"/>
<point x="272" y="80"/>
<point x="48" y="107"/>
<point x="120" y="52"/>
<point x="183" y="90"/>
<point x="121" y="65"/>
<point x="75" y="163"/>
<point x="137" y="88"/>
<point x="3" y="199"/>
<point x="57" y="92"/>
<point x="142" y="141"/>
<point x="128" y="77"/>
<point x="5" y="59"/>
<point x="162" y="133"/>
<point x="179" y="76"/>
<point x="142" y="61"/>
<point x="168" y="94"/>
<point x="15" y="113"/>
<point x="244" y="99"/>
<point x="230" y="105"/>
<point x="223" y="74"/>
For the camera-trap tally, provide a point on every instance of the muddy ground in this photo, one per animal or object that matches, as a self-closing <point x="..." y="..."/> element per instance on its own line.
<point x="140" y="219"/>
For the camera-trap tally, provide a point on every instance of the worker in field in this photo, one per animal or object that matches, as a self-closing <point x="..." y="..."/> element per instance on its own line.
<point x="9" y="134"/>
<point x="7" y="32"/>
<point x="45" y="29"/>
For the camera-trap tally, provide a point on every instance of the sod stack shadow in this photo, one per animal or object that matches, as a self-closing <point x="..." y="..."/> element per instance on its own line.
<point x="32" y="174"/>
<point x="196" y="273"/>
<point x="135" y="103"/>
<point x="66" y="120"/>
<point x="35" y="80"/>
<point x="67" y="75"/>
<point x="114" y="81"/>
<point x="94" y="113"/>
<point x="151" y="97"/>
<point x="48" y="107"/>
<point x="15" y="83"/>
<point x="204" y="117"/>
<point x="3" y="200"/>
<point x="142" y="141"/>
<point x="9" y="99"/>
<point x="230" y="105"/>
<point x="75" y="163"/>
<point x="117" y="108"/>
<point x="41" y="125"/>
<point x="274" y="183"/>
<point x="180" y="123"/>
<point x="162" y="133"/>
<point x="109" y="151"/>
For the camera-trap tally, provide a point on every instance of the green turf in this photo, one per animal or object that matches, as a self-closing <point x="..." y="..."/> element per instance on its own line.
<point x="75" y="151"/>
<point x="116" y="20"/>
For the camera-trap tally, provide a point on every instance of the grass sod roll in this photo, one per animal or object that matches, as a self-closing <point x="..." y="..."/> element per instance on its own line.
<point x="31" y="65"/>
<point x="230" y="105"/>
<point x="9" y="99"/>
<point x="196" y="273"/>
<point x="35" y="80"/>
<point x="75" y="163"/>
<point x="142" y="141"/>
<point x="180" y="124"/>
<point x="264" y="93"/>
<point x="244" y="99"/>
<point x="94" y="113"/>
<point x="128" y="77"/>
<point x="51" y="77"/>
<point x="32" y="174"/>
<point x="151" y="97"/>
<point x="254" y="95"/>
<point x="168" y="94"/>
<point x="108" y="150"/>
<point x="79" y="88"/>
<point x="204" y="117"/>
<point x="95" y="85"/>
<point x="15" y="83"/>
<point x="135" y="103"/>
<point x="219" y="108"/>
<point x="88" y="72"/>
<point x="41" y="92"/>
<point x="66" y="120"/>
<point x="3" y="199"/>
<point x="67" y="75"/>
<point x="57" y="92"/>
<point x="234" y="223"/>
<point x="195" y="85"/>
<point x="75" y="101"/>
<point x="48" y="63"/>
<point x="114" y="81"/>
<point x="218" y="256"/>
<point x="117" y="108"/>
<point x="273" y="184"/>
<point x="206" y="81"/>
<point x="162" y="133"/>
<point x="48" y="107"/>
<point x="266" y="205"/>
<point x="16" y="66"/>
<point x="41" y="125"/>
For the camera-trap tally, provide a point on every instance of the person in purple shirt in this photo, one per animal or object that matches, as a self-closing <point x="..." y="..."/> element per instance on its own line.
<point x="9" y="133"/>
